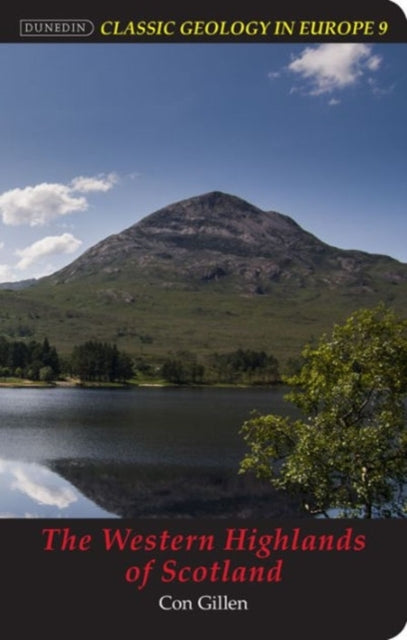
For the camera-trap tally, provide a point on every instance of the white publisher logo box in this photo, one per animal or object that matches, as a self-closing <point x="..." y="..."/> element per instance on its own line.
<point x="55" y="27"/>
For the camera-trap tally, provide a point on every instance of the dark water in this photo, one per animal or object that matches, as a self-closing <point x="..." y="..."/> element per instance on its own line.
<point x="144" y="427"/>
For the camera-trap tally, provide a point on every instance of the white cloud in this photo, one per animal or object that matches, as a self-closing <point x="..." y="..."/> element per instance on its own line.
<point x="374" y="63"/>
<point x="85" y="184"/>
<point x="37" y="483"/>
<point x="39" y="204"/>
<point x="333" y="102"/>
<point x="39" y="492"/>
<point x="333" y="66"/>
<point x="379" y="90"/>
<point x="6" y="273"/>
<point x="1" y="245"/>
<point x="51" y="245"/>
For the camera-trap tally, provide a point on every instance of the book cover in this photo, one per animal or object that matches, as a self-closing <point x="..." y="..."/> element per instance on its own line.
<point x="203" y="283"/>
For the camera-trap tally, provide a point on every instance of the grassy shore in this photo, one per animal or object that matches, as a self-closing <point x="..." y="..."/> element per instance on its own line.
<point x="16" y="383"/>
<point x="22" y="383"/>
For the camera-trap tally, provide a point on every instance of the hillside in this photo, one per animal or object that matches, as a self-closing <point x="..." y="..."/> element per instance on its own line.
<point x="210" y="273"/>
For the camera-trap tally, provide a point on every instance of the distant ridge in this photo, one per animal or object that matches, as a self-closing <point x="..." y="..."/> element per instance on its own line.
<point x="16" y="286"/>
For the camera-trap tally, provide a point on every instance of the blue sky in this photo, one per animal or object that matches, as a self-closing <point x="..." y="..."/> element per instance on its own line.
<point x="96" y="136"/>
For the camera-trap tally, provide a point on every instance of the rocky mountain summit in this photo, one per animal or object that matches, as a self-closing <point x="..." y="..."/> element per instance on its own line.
<point x="220" y="238"/>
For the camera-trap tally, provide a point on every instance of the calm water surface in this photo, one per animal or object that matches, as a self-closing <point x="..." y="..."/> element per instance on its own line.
<point x="144" y="426"/>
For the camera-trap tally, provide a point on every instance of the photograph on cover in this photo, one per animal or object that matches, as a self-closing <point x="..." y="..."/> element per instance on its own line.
<point x="203" y="278"/>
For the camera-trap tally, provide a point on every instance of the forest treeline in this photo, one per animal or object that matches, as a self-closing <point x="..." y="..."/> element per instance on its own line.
<point x="97" y="361"/>
<point x="242" y="366"/>
<point x="31" y="360"/>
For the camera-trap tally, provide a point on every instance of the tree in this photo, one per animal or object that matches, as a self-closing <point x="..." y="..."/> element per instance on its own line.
<point x="94" y="360"/>
<point x="26" y="359"/>
<point x="124" y="367"/>
<point x="183" y="368"/>
<point x="347" y="452"/>
<point x="246" y="366"/>
<point x="46" y="374"/>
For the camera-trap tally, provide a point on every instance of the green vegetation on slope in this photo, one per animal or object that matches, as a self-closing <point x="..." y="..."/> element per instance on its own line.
<point x="157" y="320"/>
<point x="209" y="274"/>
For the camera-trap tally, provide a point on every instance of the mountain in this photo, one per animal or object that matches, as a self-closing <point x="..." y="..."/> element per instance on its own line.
<point x="210" y="273"/>
<point x="21" y="284"/>
<point x="219" y="237"/>
<point x="139" y="491"/>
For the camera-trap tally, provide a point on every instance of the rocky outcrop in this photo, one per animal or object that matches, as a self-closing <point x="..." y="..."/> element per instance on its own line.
<point x="218" y="239"/>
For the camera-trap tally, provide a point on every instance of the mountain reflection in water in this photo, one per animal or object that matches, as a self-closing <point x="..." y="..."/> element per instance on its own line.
<point x="132" y="453"/>
<point x="30" y="490"/>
